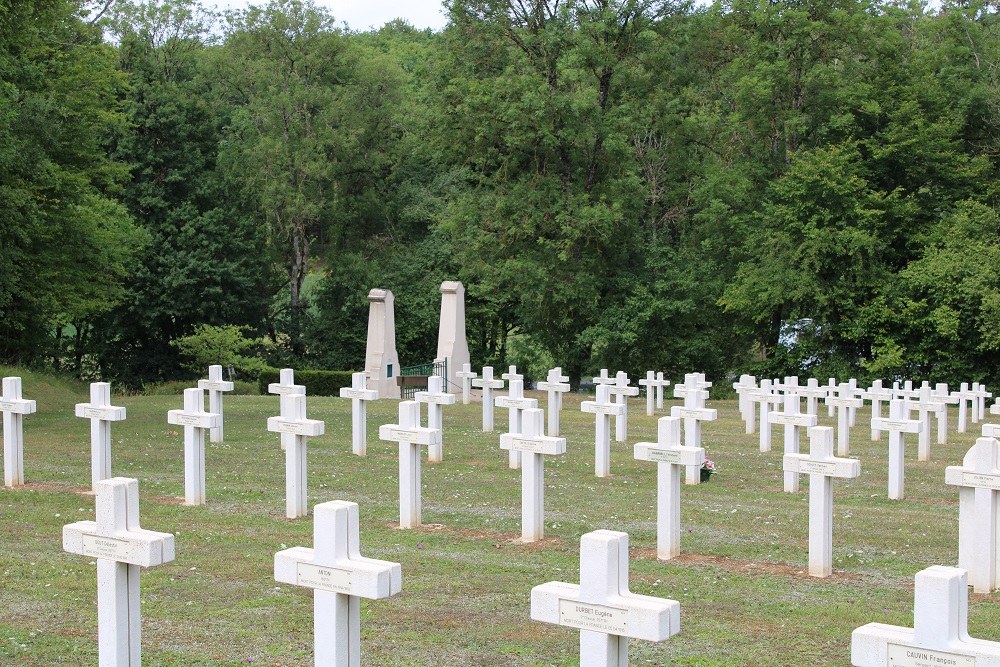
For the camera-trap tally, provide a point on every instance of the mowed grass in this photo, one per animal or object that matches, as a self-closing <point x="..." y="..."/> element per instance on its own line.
<point x="745" y="597"/>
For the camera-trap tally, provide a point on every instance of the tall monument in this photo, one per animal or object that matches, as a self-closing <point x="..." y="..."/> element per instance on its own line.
<point x="451" y="333"/>
<point x="381" y="361"/>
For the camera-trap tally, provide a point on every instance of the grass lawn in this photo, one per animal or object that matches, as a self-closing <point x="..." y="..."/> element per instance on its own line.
<point x="745" y="598"/>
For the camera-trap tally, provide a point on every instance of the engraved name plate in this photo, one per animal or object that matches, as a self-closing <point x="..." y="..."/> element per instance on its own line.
<point x="980" y="480"/>
<point x="323" y="577"/>
<point x="108" y="548"/>
<point x="363" y="394"/>
<point x="596" y="617"/>
<point x="908" y="656"/>
<point x="664" y="455"/>
<point x="817" y="467"/>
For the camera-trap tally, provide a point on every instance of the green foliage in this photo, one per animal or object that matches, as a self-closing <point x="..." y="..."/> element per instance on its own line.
<point x="317" y="383"/>
<point x="226" y="346"/>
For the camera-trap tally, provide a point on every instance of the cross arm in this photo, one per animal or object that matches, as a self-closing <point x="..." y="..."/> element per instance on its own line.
<point x="418" y="435"/>
<point x="535" y="445"/>
<point x="842" y="468"/>
<point x="362" y="577"/>
<point x="196" y="419"/>
<point x="277" y="388"/>
<point x="362" y="394"/>
<point x="440" y="399"/>
<point x="215" y="385"/>
<point x="793" y="420"/>
<point x="680" y="455"/>
<point x="145" y="548"/>
<point x="705" y="414"/>
<point x="487" y="384"/>
<point x="614" y="409"/>
<point x="553" y="386"/>
<point x="104" y="412"/>
<point x="516" y="403"/>
<point x="901" y="425"/>
<point x="309" y="427"/>
<point x="18" y="406"/>
<point x="628" y="615"/>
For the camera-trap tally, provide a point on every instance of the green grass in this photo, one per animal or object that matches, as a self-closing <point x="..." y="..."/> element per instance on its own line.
<point x="745" y="598"/>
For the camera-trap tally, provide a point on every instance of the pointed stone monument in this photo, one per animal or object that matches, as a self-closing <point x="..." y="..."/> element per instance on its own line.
<point x="381" y="360"/>
<point x="452" y="345"/>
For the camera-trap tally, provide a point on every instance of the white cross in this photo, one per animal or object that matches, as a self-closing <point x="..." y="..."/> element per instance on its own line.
<point x="978" y="513"/>
<point x="295" y="429"/>
<point x="512" y="374"/>
<point x="515" y="402"/>
<point x="649" y="382"/>
<point x="855" y="393"/>
<point x="621" y="391"/>
<point x="603" y="378"/>
<point x="670" y="456"/>
<point x="877" y="394"/>
<point x="215" y="386"/>
<point x="410" y="435"/>
<point x="821" y="466"/>
<point x="467" y="375"/>
<point x="533" y="445"/>
<point x="793" y="420"/>
<point x="195" y="422"/>
<point x="692" y="381"/>
<point x="812" y="392"/>
<point x="101" y="413"/>
<point x="339" y="576"/>
<point x="693" y="413"/>
<point x="940" y="634"/>
<point x="897" y="424"/>
<point x="766" y="398"/>
<point x="13" y="408"/>
<point x="286" y="383"/>
<point x="844" y="401"/>
<point x="964" y="396"/>
<point x="602" y="607"/>
<point x="436" y="398"/>
<point x="121" y="547"/>
<point x="488" y="384"/>
<point x="556" y="384"/>
<point x="940" y="394"/>
<point x="979" y="401"/>
<point x="831" y="389"/>
<point x="924" y="406"/>
<point x="661" y="384"/>
<point x="360" y="394"/>
<point x="743" y="387"/>
<point x="602" y="408"/>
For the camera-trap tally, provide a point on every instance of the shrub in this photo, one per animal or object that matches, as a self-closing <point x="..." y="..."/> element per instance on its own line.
<point x="317" y="383"/>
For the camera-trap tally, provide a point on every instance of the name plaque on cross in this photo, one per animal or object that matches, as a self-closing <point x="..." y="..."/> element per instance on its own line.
<point x="907" y="656"/>
<point x="109" y="548"/>
<point x="323" y="578"/>
<point x="413" y="436"/>
<point x="595" y="617"/>
<point x="817" y="468"/>
<point x="360" y="394"/>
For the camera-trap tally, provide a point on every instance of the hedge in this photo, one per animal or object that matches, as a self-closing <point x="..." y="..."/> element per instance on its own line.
<point x="317" y="383"/>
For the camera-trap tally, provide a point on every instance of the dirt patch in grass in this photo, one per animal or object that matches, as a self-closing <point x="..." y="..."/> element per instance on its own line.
<point x="45" y="487"/>
<point x="499" y="540"/>
<point x="744" y="566"/>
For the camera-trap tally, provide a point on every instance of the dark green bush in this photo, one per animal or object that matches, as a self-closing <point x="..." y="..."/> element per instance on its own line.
<point x="317" y="383"/>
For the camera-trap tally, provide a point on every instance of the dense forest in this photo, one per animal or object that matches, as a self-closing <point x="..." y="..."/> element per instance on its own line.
<point x="773" y="187"/>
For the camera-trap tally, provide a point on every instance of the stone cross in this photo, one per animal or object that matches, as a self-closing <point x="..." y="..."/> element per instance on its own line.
<point x="121" y="547"/>
<point x="215" y="386"/>
<point x="466" y="375"/>
<point x="410" y="436"/>
<point x="603" y="378"/>
<point x="821" y="466"/>
<point x="602" y="607"/>
<point x="436" y="398"/>
<point x="692" y="381"/>
<point x="286" y="385"/>
<point x="602" y="409"/>
<point x="649" y="382"/>
<point x="101" y="413"/>
<point x="979" y="401"/>
<point x="813" y="392"/>
<point x="743" y="387"/>
<point x="515" y="402"/>
<point x="295" y="429"/>
<point x="512" y="374"/>
<point x="693" y="413"/>
<point x="360" y="394"/>
<point x="766" y="398"/>
<point x="897" y="424"/>
<point x="670" y="456"/>
<point x="852" y="411"/>
<point x="339" y="576"/>
<point x="488" y="384"/>
<point x="964" y="396"/>
<point x="940" y="633"/>
<point x="831" y="389"/>
<point x="877" y="394"/>
<point x="556" y="384"/>
<point x="533" y="445"/>
<point x="978" y="513"/>
<point x="661" y="385"/>
<point x="14" y="408"/>
<point x="940" y="394"/>
<point x="793" y="420"/>
<point x="844" y="400"/>
<point x="621" y="391"/>
<point x="924" y="406"/>
<point x="196" y="422"/>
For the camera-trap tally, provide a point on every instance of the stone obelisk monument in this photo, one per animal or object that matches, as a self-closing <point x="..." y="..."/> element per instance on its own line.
<point x="381" y="361"/>
<point x="451" y="333"/>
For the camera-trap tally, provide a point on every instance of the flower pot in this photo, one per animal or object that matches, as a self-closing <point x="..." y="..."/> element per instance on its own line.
<point x="705" y="475"/>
